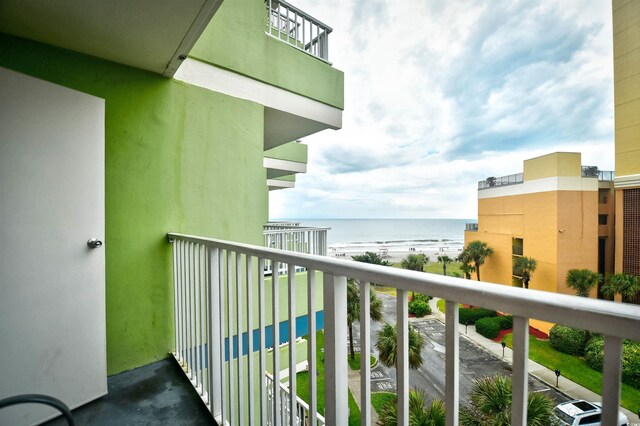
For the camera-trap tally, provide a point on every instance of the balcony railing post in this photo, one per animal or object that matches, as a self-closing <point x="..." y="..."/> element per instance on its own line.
<point x="335" y="352"/>
<point x="215" y="359"/>
<point x="365" y="350"/>
<point x="520" y="380"/>
<point x="452" y="366"/>
<point x="402" y="357"/>
<point x="611" y="386"/>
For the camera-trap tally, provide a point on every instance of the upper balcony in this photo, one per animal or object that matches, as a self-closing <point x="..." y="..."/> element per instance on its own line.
<point x="219" y="289"/>
<point x="493" y="181"/>
<point x="299" y="29"/>
<point x="471" y="227"/>
<point x="594" y="172"/>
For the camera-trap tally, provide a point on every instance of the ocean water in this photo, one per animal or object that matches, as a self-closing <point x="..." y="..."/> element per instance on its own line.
<point x="394" y="235"/>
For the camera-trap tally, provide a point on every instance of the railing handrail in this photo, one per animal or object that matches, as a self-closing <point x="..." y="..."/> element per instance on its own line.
<point x="304" y="14"/>
<point x="602" y="316"/>
<point x="290" y="229"/>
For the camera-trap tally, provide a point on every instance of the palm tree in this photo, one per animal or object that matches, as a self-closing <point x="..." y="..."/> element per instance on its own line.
<point x="626" y="285"/>
<point x="524" y="267"/>
<point x="582" y="281"/>
<point x="466" y="265"/>
<point x="478" y="252"/>
<point x="444" y="259"/>
<point x="490" y="404"/>
<point x="414" y="262"/>
<point x="371" y="257"/>
<point x="353" y="309"/>
<point x="387" y="348"/>
<point x="420" y="412"/>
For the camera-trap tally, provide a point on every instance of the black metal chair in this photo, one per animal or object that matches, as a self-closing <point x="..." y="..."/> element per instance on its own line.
<point x="34" y="398"/>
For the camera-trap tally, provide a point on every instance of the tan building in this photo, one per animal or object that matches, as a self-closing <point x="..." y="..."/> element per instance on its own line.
<point x="557" y="212"/>
<point x="626" y="71"/>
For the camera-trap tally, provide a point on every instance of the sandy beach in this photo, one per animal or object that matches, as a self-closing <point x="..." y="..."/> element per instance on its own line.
<point x="396" y="256"/>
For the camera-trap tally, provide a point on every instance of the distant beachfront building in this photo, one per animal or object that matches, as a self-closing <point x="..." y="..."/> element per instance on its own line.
<point x="557" y="212"/>
<point x="626" y="73"/>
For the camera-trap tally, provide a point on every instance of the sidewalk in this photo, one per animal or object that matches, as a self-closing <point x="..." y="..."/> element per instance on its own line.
<point x="565" y="386"/>
<point x="354" y="387"/>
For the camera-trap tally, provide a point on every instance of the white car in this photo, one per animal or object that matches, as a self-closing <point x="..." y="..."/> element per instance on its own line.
<point x="579" y="412"/>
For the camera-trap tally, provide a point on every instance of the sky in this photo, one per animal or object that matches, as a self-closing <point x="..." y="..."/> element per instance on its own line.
<point x="440" y="94"/>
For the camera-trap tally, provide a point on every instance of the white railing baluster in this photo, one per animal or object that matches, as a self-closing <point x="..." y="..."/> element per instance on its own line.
<point x="275" y="293"/>
<point x="240" y="366"/>
<point x="365" y="351"/>
<point x="176" y="299"/>
<point x="292" y="342"/>
<point x="203" y="321"/>
<point x="197" y="362"/>
<point x="216" y="360"/>
<point x="262" y="304"/>
<point x="402" y="357"/>
<point x="190" y="310"/>
<point x="250" y="368"/>
<point x="311" y="353"/>
<point x="335" y="350"/>
<point x="223" y="351"/>
<point x="612" y="373"/>
<point x="185" y="310"/>
<point x="232" y="387"/>
<point x="520" y="374"/>
<point x="452" y="365"/>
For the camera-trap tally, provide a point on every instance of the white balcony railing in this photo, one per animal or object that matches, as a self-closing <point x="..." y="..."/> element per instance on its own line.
<point x="290" y="236"/>
<point x="302" y="408"/>
<point x="218" y="287"/>
<point x="289" y="24"/>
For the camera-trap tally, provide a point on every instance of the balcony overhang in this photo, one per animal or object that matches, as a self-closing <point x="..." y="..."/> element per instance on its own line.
<point x="287" y="115"/>
<point x="277" y="168"/>
<point x="275" y="184"/>
<point x="154" y="35"/>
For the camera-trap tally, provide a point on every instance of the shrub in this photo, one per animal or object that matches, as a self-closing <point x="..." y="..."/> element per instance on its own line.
<point x="471" y="315"/>
<point x="419" y="308"/>
<point x="506" y="322"/>
<point x="594" y="356"/>
<point x="420" y="297"/>
<point x="488" y="327"/>
<point x="568" y="340"/>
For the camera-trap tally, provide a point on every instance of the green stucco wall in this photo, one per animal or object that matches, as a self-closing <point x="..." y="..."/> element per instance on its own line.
<point x="178" y="158"/>
<point x="240" y="26"/>
<point x="292" y="151"/>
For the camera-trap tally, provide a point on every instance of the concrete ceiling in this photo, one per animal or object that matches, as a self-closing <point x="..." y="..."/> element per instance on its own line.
<point x="147" y="34"/>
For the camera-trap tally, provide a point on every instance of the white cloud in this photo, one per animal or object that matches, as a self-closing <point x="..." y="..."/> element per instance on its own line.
<point x="441" y="94"/>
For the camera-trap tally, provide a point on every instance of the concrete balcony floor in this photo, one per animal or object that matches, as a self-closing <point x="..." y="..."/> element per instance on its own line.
<point x="156" y="394"/>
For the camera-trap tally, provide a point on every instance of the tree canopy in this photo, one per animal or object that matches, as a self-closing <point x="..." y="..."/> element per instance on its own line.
<point x="387" y="345"/>
<point x="626" y="285"/>
<point x="478" y="251"/>
<point x="524" y="267"/>
<point x="414" y="262"/>
<point x="444" y="259"/>
<point x="371" y="257"/>
<point x="582" y="281"/>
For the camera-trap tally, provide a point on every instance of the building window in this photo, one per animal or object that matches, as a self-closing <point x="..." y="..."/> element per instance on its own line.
<point x="603" y="196"/>
<point x="517" y="246"/>
<point x="602" y="219"/>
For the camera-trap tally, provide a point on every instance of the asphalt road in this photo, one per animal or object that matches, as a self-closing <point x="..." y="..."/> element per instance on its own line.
<point x="475" y="361"/>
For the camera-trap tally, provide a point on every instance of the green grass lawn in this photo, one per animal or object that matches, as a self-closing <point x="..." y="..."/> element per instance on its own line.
<point x="442" y="305"/>
<point x="576" y="369"/>
<point x="354" y="363"/>
<point x="302" y="383"/>
<point x="436" y="268"/>
<point x="380" y="399"/>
